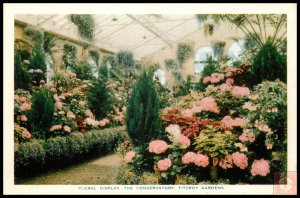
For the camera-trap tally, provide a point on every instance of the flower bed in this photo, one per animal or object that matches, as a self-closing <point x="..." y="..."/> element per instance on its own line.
<point x="38" y="155"/>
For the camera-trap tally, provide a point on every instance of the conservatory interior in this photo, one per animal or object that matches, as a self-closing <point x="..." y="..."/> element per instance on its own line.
<point x="150" y="98"/>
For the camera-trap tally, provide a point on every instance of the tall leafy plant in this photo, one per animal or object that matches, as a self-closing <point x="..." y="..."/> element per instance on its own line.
<point x="41" y="113"/>
<point x="22" y="76"/>
<point x="125" y="61"/>
<point x="142" y="116"/>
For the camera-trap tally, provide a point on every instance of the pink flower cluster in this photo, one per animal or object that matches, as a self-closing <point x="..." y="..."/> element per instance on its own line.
<point x="88" y="113"/>
<point x="25" y="106"/>
<point x="227" y="123"/>
<point x="260" y="167"/>
<point x="55" y="127"/>
<point x="164" y="164"/>
<point x="249" y="106"/>
<point x="229" y="81"/>
<point x="225" y="87"/>
<point x="247" y="136"/>
<point x="23" y="118"/>
<point x="158" y="146"/>
<point x="70" y="114"/>
<point x="58" y="105"/>
<point x="213" y="78"/>
<point x="262" y="127"/>
<point x="240" y="160"/>
<point x="240" y="91"/>
<point x="91" y="122"/>
<point x="184" y="141"/>
<point x="187" y="112"/>
<point x="129" y="156"/>
<point x="26" y="134"/>
<point x="56" y="98"/>
<point x="197" y="159"/>
<point x="67" y="129"/>
<point x="209" y="104"/>
<point x="226" y="162"/>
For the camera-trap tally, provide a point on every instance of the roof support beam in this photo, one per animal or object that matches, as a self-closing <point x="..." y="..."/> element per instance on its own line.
<point x="148" y="28"/>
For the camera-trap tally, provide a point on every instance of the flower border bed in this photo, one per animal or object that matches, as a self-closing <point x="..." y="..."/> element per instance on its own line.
<point x="38" y="155"/>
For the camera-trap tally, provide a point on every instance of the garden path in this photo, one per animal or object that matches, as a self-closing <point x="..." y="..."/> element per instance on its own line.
<point x="99" y="171"/>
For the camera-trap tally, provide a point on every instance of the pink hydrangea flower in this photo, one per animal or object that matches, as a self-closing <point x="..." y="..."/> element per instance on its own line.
<point x="16" y="97"/>
<point x="88" y="113"/>
<point x="102" y="123"/>
<point x="225" y="87"/>
<point x="249" y="106"/>
<point x="187" y="112"/>
<point x="196" y="109"/>
<point x="26" y="134"/>
<point x="227" y="123"/>
<point x="129" y="156"/>
<point x="56" y="98"/>
<point x="91" y="122"/>
<point x="25" y="107"/>
<point x="229" y="81"/>
<point x="55" y="127"/>
<point x="184" y="141"/>
<point x="260" y="167"/>
<point x="42" y="81"/>
<point x="67" y="129"/>
<point x="23" y="118"/>
<point x="106" y="120"/>
<point x="216" y="77"/>
<point x="164" y="164"/>
<point x="206" y="79"/>
<point x="52" y="90"/>
<point x="22" y="99"/>
<point x="70" y="114"/>
<point x="241" y="122"/>
<point x="240" y="91"/>
<point x="188" y="158"/>
<point x="158" y="146"/>
<point x="242" y="147"/>
<point x="173" y="129"/>
<point x="262" y="127"/>
<point x="209" y="104"/>
<point x="58" y="105"/>
<point x="226" y="162"/>
<point x="240" y="160"/>
<point x="201" y="160"/>
<point x="82" y="103"/>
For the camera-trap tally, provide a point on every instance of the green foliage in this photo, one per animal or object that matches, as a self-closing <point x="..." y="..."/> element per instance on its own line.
<point x="38" y="155"/>
<point x="35" y="32"/>
<point x="186" y="180"/>
<point x="41" y="114"/>
<point x="95" y="56"/>
<point x="37" y="58"/>
<point x="125" y="61"/>
<point x="99" y="99"/>
<point x="85" y="24"/>
<point x="22" y="76"/>
<point x="272" y="95"/>
<point x="69" y="56"/>
<point x="184" y="52"/>
<point x="49" y="42"/>
<point x="83" y="71"/>
<point x="218" y="48"/>
<point x="269" y="64"/>
<point x="170" y="64"/>
<point x="210" y="66"/>
<point x="29" y="154"/>
<point x="142" y="117"/>
<point x="215" y="143"/>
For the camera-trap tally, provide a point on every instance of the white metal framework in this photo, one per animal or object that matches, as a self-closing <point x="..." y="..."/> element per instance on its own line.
<point x="141" y="34"/>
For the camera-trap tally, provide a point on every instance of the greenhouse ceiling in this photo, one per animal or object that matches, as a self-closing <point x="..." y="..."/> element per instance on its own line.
<point x="140" y="34"/>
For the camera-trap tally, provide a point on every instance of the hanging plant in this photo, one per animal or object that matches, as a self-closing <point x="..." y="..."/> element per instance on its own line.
<point x="85" y="24"/>
<point x="184" y="52"/>
<point x="218" y="48"/>
<point x="170" y="64"/>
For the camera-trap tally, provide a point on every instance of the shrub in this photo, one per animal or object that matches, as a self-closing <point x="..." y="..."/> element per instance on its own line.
<point x="142" y="116"/>
<point x="83" y="71"/>
<point x="69" y="56"/>
<point x="29" y="155"/>
<point x="99" y="99"/>
<point x="41" y="113"/>
<point x="269" y="64"/>
<point x="76" y="144"/>
<point x="22" y="76"/>
<point x="37" y="58"/>
<point x="56" y="150"/>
